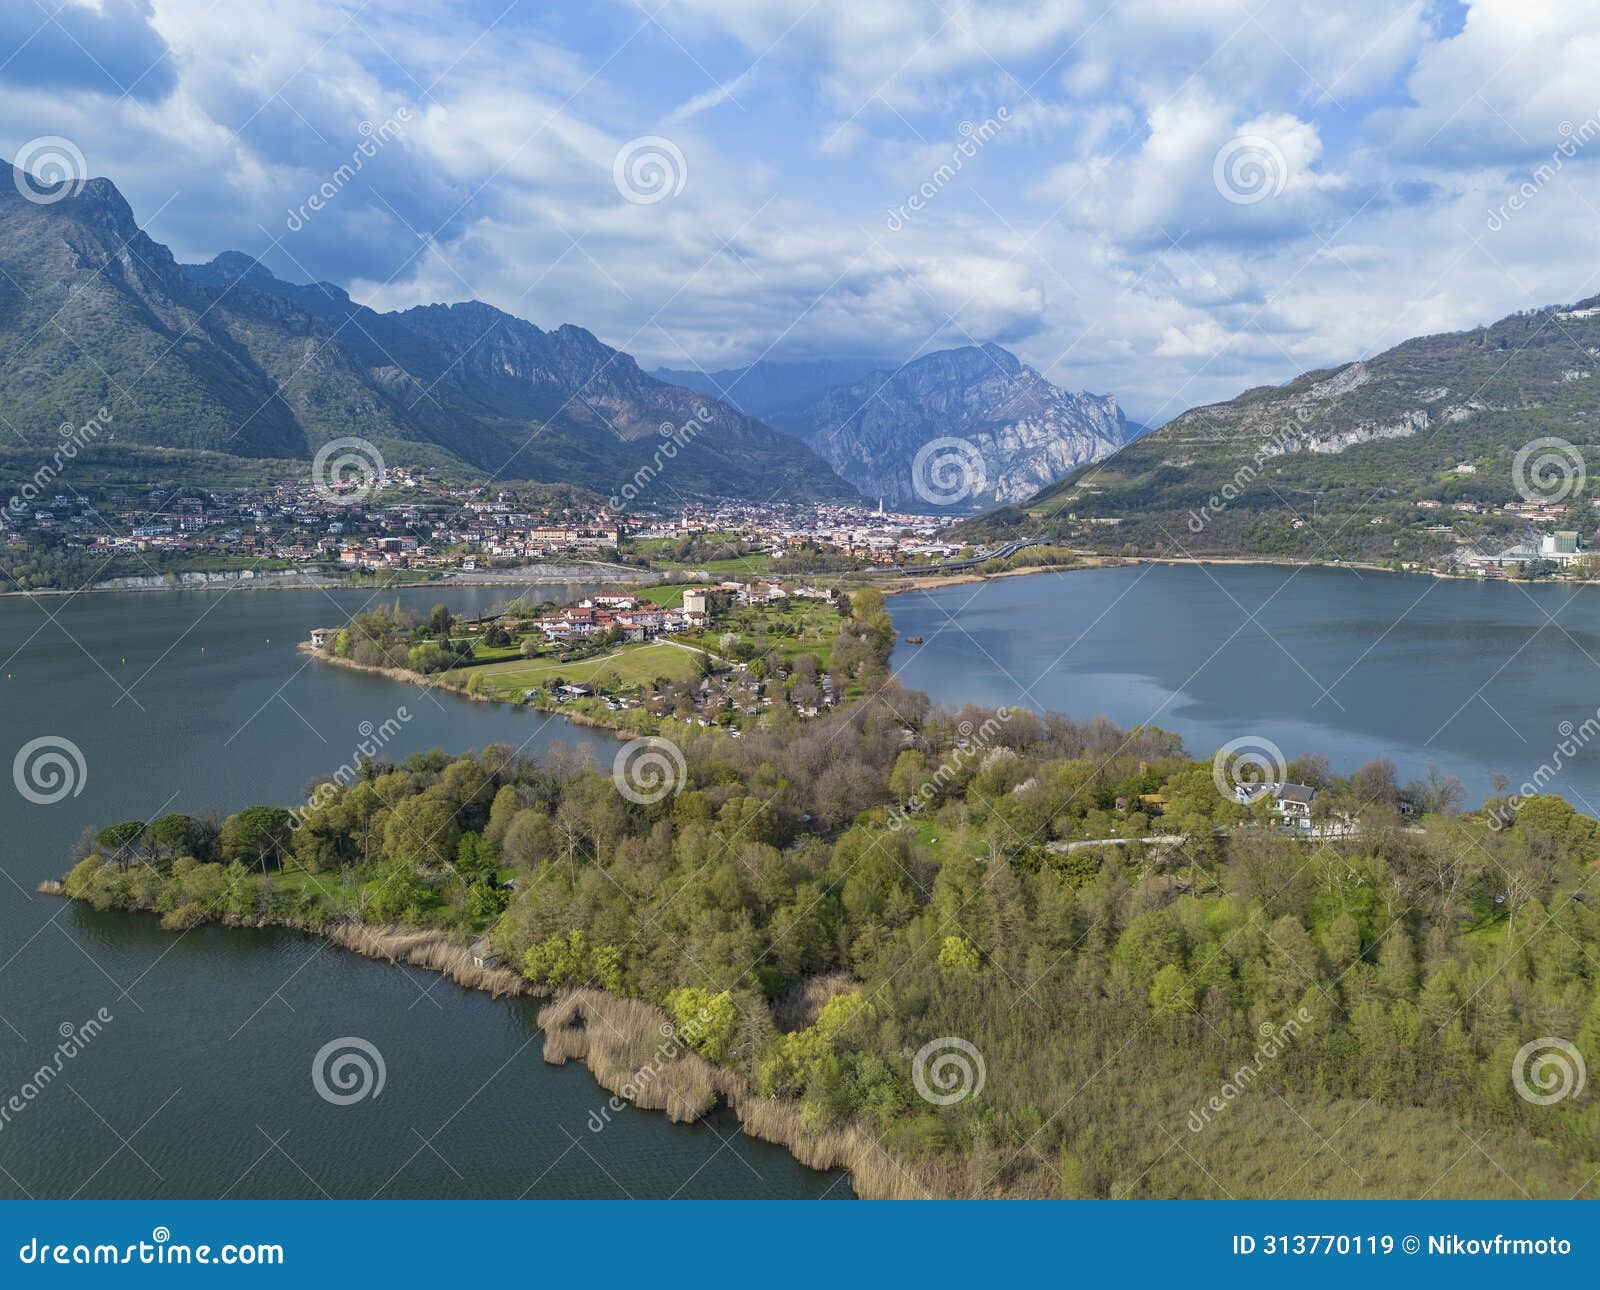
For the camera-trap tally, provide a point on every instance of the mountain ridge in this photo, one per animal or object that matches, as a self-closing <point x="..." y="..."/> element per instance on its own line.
<point x="227" y="357"/>
<point x="1021" y="431"/>
<point x="1407" y="456"/>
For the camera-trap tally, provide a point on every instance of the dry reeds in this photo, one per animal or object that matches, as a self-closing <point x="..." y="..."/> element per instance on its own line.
<point x="432" y="950"/>
<point x="632" y="1050"/>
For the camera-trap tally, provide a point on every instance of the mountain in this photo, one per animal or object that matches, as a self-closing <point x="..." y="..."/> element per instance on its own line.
<point x="1025" y="431"/>
<point x="225" y="357"/>
<point x="1409" y="455"/>
<point x="771" y="386"/>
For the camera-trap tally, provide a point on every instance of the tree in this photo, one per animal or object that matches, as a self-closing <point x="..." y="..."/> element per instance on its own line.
<point x="441" y="622"/>
<point x="170" y="836"/>
<point x="421" y="832"/>
<point x="256" y="837"/>
<point x="120" y="842"/>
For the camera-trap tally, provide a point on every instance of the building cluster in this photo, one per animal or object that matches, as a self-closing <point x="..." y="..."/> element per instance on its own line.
<point x="1561" y="548"/>
<point x="418" y="524"/>
<point x="631" y="618"/>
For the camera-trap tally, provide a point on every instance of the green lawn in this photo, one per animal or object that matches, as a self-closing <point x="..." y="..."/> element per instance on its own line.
<point x="631" y="664"/>
<point x="789" y="628"/>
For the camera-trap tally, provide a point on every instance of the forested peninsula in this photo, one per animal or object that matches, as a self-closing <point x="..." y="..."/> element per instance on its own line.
<point x="976" y="952"/>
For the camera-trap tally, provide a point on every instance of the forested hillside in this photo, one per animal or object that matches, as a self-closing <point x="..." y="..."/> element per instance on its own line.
<point x="878" y="913"/>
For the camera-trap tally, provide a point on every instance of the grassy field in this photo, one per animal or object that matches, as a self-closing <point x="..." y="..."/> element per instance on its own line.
<point x="789" y="628"/>
<point x="631" y="665"/>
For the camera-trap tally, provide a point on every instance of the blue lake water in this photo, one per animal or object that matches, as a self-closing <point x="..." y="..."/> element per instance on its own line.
<point x="200" y="1085"/>
<point x="1474" y="678"/>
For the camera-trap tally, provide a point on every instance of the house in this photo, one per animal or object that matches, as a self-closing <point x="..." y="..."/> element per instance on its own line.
<point x="1292" y="802"/>
<point x="319" y="636"/>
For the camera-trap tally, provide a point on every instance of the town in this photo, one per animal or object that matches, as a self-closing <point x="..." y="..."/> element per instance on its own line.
<point x="417" y="529"/>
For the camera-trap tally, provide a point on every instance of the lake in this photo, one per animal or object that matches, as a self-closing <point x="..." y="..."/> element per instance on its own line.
<point x="1473" y="678"/>
<point x="200" y="1084"/>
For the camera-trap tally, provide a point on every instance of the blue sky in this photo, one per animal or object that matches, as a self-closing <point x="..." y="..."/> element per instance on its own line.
<point x="1167" y="200"/>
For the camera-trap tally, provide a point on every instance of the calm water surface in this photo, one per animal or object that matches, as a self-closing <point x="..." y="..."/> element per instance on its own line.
<point x="200" y="1085"/>
<point x="1475" y="679"/>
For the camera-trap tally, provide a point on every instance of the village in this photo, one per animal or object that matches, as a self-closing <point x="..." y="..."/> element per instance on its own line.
<point x="416" y="528"/>
<point x="727" y="653"/>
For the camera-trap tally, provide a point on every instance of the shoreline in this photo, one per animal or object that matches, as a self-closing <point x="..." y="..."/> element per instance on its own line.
<point x="408" y="677"/>
<point x="633" y="1052"/>
<point x="933" y="581"/>
<point x="269" y="582"/>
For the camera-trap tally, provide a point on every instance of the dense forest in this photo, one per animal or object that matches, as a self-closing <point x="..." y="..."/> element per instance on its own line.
<point x="879" y="914"/>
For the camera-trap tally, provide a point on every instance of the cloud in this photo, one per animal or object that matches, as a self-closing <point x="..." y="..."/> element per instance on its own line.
<point x="716" y="95"/>
<point x="109" y="49"/>
<point x="1111" y="232"/>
